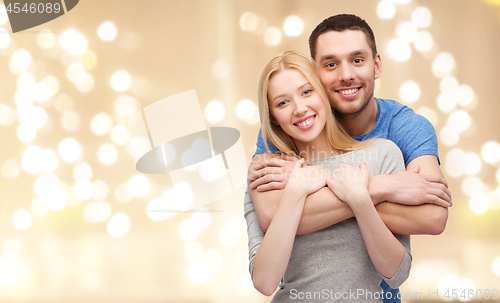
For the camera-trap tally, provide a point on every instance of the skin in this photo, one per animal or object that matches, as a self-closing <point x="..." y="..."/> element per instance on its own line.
<point x="345" y="62"/>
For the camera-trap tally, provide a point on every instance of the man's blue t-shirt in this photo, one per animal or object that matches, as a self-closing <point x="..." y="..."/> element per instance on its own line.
<point x="413" y="134"/>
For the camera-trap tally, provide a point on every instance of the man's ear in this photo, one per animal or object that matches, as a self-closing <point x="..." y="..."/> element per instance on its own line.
<point x="378" y="66"/>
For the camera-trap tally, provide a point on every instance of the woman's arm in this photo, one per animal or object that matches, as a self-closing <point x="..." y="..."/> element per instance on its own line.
<point x="351" y="186"/>
<point x="271" y="258"/>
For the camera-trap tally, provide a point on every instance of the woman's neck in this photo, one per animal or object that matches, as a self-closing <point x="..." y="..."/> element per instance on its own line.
<point x="317" y="148"/>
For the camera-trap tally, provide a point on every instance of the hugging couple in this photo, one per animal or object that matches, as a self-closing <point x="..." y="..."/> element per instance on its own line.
<point x="340" y="179"/>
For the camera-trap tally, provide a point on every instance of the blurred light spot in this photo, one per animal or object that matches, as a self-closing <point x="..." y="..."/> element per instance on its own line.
<point x="84" y="82"/>
<point x="183" y="195"/>
<point x="49" y="161"/>
<point x="73" y="42"/>
<point x="446" y="102"/>
<point x="407" y="31"/>
<point x="38" y="207"/>
<point x="118" y="225"/>
<point x="491" y="152"/>
<point x="449" y="84"/>
<point x="125" y="106"/>
<point x="92" y="281"/>
<point x="429" y="114"/>
<point x="466" y="285"/>
<point x="202" y="218"/>
<point x="293" y="26"/>
<point x="23" y="99"/>
<point x="26" y="133"/>
<point x="20" y="61"/>
<point x="272" y="36"/>
<point x="36" y="117"/>
<point x="497" y="176"/>
<point x="245" y="109"/>
<point x="74" y="71"/>
<point x="472" y="185"/>
<point x="26" y="81"/>
<point x="138" y="185"/>
<point x="107" y="31"/>
<point x="120" y="81"/>
<point x="70" y="150"/>
<point x="4" y="38"/>
<point x="7" y="116"/>
<point x="199" y="273"/>
<point x="83" y="189"/>
<point x="3" y="15"/>
<point x="496" y="266"/>
<point x="409" y="92"/>
<point x="245" y="284"/>
<point x="213" y="259"/>
<point x="63" y="102"/>
<point x="82" y="171"/>
<point x="122" y="193"/>
<point x="107" y="154"/>
<point x="399" y="50"/>
<point x="386" y="10"/>
<point x="188" y="230"/>
<point x="12" y="245"/>
<point x="97" y="212"/>
<point x="46" y="184"/>
<point x="31" y="159"/>
<point x="249" y="22"/>
<point x="215" y="111"/>
<point x="211" y="171"/>
<point x="9" y="269"/>
<point x="88" y="60"/>
<point x="100" y="190"/>
<point x="464" y="95"/>
<point x="234" y="229"/>
<point x="119" y="134"/>
<point x="221" y="69"/>
<point x="443" y="65"/>
<point x="447" y="282"/>
<point x="22" y="219"/>
<point x="10" y="169"/>
<point x="70" y="120"/>
<point x="471" y="164"/>
<point x="460" y="120"/>
<point x="162" y="209"/>
<point x="479" y="203"/>
<point x="193" y="251"/>
<point x="421" y="17"/>
<point x="101" y="124"/>
<point x="453" y="164"/>
<point x="52" y="83"/>
<point x="46" y="39"/>
<point x="423" y="41"/>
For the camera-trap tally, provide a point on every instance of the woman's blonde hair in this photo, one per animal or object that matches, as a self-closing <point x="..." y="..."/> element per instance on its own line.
<point x="337" y="136"/>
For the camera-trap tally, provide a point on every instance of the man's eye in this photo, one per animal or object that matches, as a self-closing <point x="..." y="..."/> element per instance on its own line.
<point x="358" y="60"/>
<point x="330" y="65"/>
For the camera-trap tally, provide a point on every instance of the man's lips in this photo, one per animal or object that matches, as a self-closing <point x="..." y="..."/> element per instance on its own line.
<point x="348" y="92"/>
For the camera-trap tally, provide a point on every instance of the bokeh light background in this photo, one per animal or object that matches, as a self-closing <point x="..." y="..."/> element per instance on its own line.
<point x="74" y="220"/>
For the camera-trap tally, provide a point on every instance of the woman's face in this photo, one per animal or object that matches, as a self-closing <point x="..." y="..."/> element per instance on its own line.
<point x="295" y="105"/>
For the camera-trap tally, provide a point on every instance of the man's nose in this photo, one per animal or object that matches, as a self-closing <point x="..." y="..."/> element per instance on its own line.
<point x="346" y="73"/>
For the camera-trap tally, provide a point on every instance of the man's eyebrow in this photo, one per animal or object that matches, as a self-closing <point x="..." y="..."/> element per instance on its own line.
<point x="352" y="54"/>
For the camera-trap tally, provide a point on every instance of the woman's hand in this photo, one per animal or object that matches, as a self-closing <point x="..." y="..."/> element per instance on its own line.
<point x="307" y="179"/>
<point x="351" y="185"/>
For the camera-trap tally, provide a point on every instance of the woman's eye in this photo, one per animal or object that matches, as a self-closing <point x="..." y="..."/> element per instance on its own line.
<point x="307" y="92"/>
<point x="282" y="103"/>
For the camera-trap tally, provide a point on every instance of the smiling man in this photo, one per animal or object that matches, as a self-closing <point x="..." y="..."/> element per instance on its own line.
<point x="411" y="202"/>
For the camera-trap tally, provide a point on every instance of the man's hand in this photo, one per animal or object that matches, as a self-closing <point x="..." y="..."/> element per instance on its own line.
<point x="411" y="188"/>
<point x="269" y="172"/>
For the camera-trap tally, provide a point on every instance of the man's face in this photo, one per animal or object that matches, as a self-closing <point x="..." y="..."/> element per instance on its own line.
<point x="347" y="70"/>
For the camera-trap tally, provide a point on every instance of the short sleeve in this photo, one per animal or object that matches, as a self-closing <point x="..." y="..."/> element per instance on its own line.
<point x="261" y="147"/>
<point x="254" y="231"/>
<point x="414" y="134"/>
<point x="404" y="269"/>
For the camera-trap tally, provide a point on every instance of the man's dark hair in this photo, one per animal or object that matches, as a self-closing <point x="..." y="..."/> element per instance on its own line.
<point x="340" y="23"/>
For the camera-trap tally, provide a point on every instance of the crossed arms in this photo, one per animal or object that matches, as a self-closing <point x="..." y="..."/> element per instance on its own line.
<point x="409" y="203"/>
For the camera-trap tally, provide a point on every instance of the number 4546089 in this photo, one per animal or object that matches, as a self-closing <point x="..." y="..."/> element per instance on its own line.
<point x="454" y="294"/>
<point x="33" y="8"/>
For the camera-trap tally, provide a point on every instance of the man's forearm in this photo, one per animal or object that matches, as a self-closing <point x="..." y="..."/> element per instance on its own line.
<point x="426" y="219"/>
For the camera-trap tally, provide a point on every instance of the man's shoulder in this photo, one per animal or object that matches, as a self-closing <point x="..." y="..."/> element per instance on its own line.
<point x="394" y="108"/>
